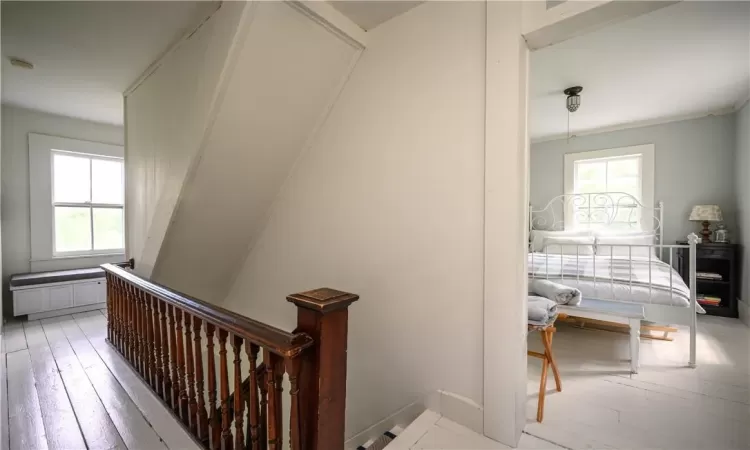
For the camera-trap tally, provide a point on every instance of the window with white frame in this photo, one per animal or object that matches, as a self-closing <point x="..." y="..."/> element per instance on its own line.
<point x="608" y="188"/>
<point x="87" y="202"/>
<point x="76" y="201"/>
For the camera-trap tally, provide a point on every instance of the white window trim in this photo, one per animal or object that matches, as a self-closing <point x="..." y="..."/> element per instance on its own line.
<point x="647" y="178"/>
<point x="41" y="188"/>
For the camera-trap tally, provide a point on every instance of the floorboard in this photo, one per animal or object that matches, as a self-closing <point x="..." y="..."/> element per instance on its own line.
<point x="94" y="327"/>
<point x="666" y="405"/>
<point x="26" y="429"/>
<point x="98" y="429"/>
<point x="13" y="337"/>
<point x="60" y="424"/>
<point x="132" y="426"/>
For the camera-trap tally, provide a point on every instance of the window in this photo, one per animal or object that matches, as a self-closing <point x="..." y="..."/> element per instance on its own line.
<point x="613" y="185"/>
<point x="87" y="202"/>
<point x="76" y="199"/>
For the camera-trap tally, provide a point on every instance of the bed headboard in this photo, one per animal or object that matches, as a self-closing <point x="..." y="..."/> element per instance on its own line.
<point x="597" y="210"/>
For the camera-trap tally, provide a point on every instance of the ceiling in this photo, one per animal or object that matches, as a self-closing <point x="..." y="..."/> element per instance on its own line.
<point x="369" y="14"/>
<point x="86" y="54"/>
<point x="685" y="60"/>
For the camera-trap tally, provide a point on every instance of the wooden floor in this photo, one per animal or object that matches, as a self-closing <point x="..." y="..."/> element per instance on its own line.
<point x="68" y="389"/>
<point x="665" y="406"/>
<point x="603" y="406"/>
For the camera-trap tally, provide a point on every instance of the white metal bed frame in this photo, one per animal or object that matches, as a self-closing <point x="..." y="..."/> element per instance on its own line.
<point x="602" y="209"/>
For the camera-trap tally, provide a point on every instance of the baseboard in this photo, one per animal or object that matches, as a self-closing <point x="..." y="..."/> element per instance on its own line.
<point x="744" y="310"/>
<point x="403" y="417"/>
<point x="459" y="409"/>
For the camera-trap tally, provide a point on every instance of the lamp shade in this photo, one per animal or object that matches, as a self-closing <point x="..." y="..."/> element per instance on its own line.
<point x="706" y="213"/>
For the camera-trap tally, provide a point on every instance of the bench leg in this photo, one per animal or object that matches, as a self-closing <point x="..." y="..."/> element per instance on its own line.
<point x="547" y="340"/>
<point x="542" y="391"/>
<point x="635" y="344"/>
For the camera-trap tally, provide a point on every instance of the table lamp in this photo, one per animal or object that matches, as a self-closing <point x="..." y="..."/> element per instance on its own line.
<point x="706" y="214"/>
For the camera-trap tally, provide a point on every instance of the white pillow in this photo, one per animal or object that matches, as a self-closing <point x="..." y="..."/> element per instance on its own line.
<point x="617" y="246"/>
<point x="576" y="245"/>
<point x="537" y="237"/>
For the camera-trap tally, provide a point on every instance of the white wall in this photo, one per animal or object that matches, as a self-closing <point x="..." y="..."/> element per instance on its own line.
<point x="286" y="73"/>
<point x="693" y="162"/>
<point x="17" y="123"/>
<point x="388" y="203"/>
<point x="742" y="185"/>
<point x="165" y="120"/>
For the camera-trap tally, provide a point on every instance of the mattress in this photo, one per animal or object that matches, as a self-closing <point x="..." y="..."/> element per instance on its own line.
<point x="639" y="280"/>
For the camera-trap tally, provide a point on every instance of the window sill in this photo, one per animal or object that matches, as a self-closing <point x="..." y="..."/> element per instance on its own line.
<point x="98" y="255"/>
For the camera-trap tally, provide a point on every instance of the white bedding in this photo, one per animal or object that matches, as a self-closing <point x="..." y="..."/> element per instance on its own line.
<point x="614" y="278"/>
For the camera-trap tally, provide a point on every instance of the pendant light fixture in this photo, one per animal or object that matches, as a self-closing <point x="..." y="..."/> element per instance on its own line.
<point x="573" y="102"/>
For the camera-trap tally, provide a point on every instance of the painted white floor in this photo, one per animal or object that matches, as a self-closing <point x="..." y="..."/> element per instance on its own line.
<point x="431" y="431"/>
<point x="603" y="406"/>
<point x="68" y="389"/>
<point x="666" y="405"/>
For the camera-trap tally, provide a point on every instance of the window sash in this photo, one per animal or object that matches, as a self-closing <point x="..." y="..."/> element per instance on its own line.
<point x="88" y="204"/>
<point x="641" y="188"/>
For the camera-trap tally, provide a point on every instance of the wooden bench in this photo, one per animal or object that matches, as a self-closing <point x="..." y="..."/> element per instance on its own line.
<point x="626" y="313"/>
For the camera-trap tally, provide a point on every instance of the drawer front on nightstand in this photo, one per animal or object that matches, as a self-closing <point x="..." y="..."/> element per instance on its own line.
<point x="717" y="253"/>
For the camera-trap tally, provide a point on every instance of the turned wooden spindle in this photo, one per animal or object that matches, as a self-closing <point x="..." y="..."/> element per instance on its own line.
<point x="112" y="310"/>
<point x="263" y="422"/>
<point x="136" y="330"/>
<point x="274" y="368"/>
<point x="173" y="360"/>
<point x="108" y="281"/>
<point x="293" y="368"/>
<point x="141" y="334"/>
<point x="201" y="416"/>
<point x="183" y="398"/>
<point x="131" y="319"/>
<point x="167" y="393"/>
<point x="253" y="402"/>
<point x="213" y="418"/>
<point x="120" y="317"/>
<point x="226" y="433"/>
<point x="145" y="358"/>
<point x="151" y="341"/>
<point x="158" y="349"/>
<point x="239" y="436"/>
<point x="118" y="314"/>
<point x="192" y="404"/>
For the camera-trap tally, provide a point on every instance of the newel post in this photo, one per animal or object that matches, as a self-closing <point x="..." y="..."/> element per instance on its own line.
<point x="324" y="315"/>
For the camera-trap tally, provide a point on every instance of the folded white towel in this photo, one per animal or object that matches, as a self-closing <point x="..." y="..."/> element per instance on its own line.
<point x="560" y="294"/>
<point x="541" y="309"/>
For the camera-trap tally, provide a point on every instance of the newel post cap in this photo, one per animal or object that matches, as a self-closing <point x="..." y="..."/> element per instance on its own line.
<point x="323" y="300"/>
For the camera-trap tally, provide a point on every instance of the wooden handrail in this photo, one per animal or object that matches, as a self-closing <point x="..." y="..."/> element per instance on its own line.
<point x="277" y="341"/>
<point x="163" y="335"/>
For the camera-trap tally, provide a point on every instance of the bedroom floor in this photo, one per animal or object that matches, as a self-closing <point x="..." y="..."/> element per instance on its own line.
<point x="665" y="406"/>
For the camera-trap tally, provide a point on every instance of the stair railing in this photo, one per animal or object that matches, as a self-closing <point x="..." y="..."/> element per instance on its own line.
<point x="162" y="334"/>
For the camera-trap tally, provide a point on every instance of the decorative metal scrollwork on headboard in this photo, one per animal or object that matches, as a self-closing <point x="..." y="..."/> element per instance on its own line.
<point x="597" y="210"/>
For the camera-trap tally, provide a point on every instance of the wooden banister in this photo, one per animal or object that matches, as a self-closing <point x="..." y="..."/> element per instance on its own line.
<point x="163" y="333"/>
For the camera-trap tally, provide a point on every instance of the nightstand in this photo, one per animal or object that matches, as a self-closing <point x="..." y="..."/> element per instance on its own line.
<point x="714" y="258"/>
